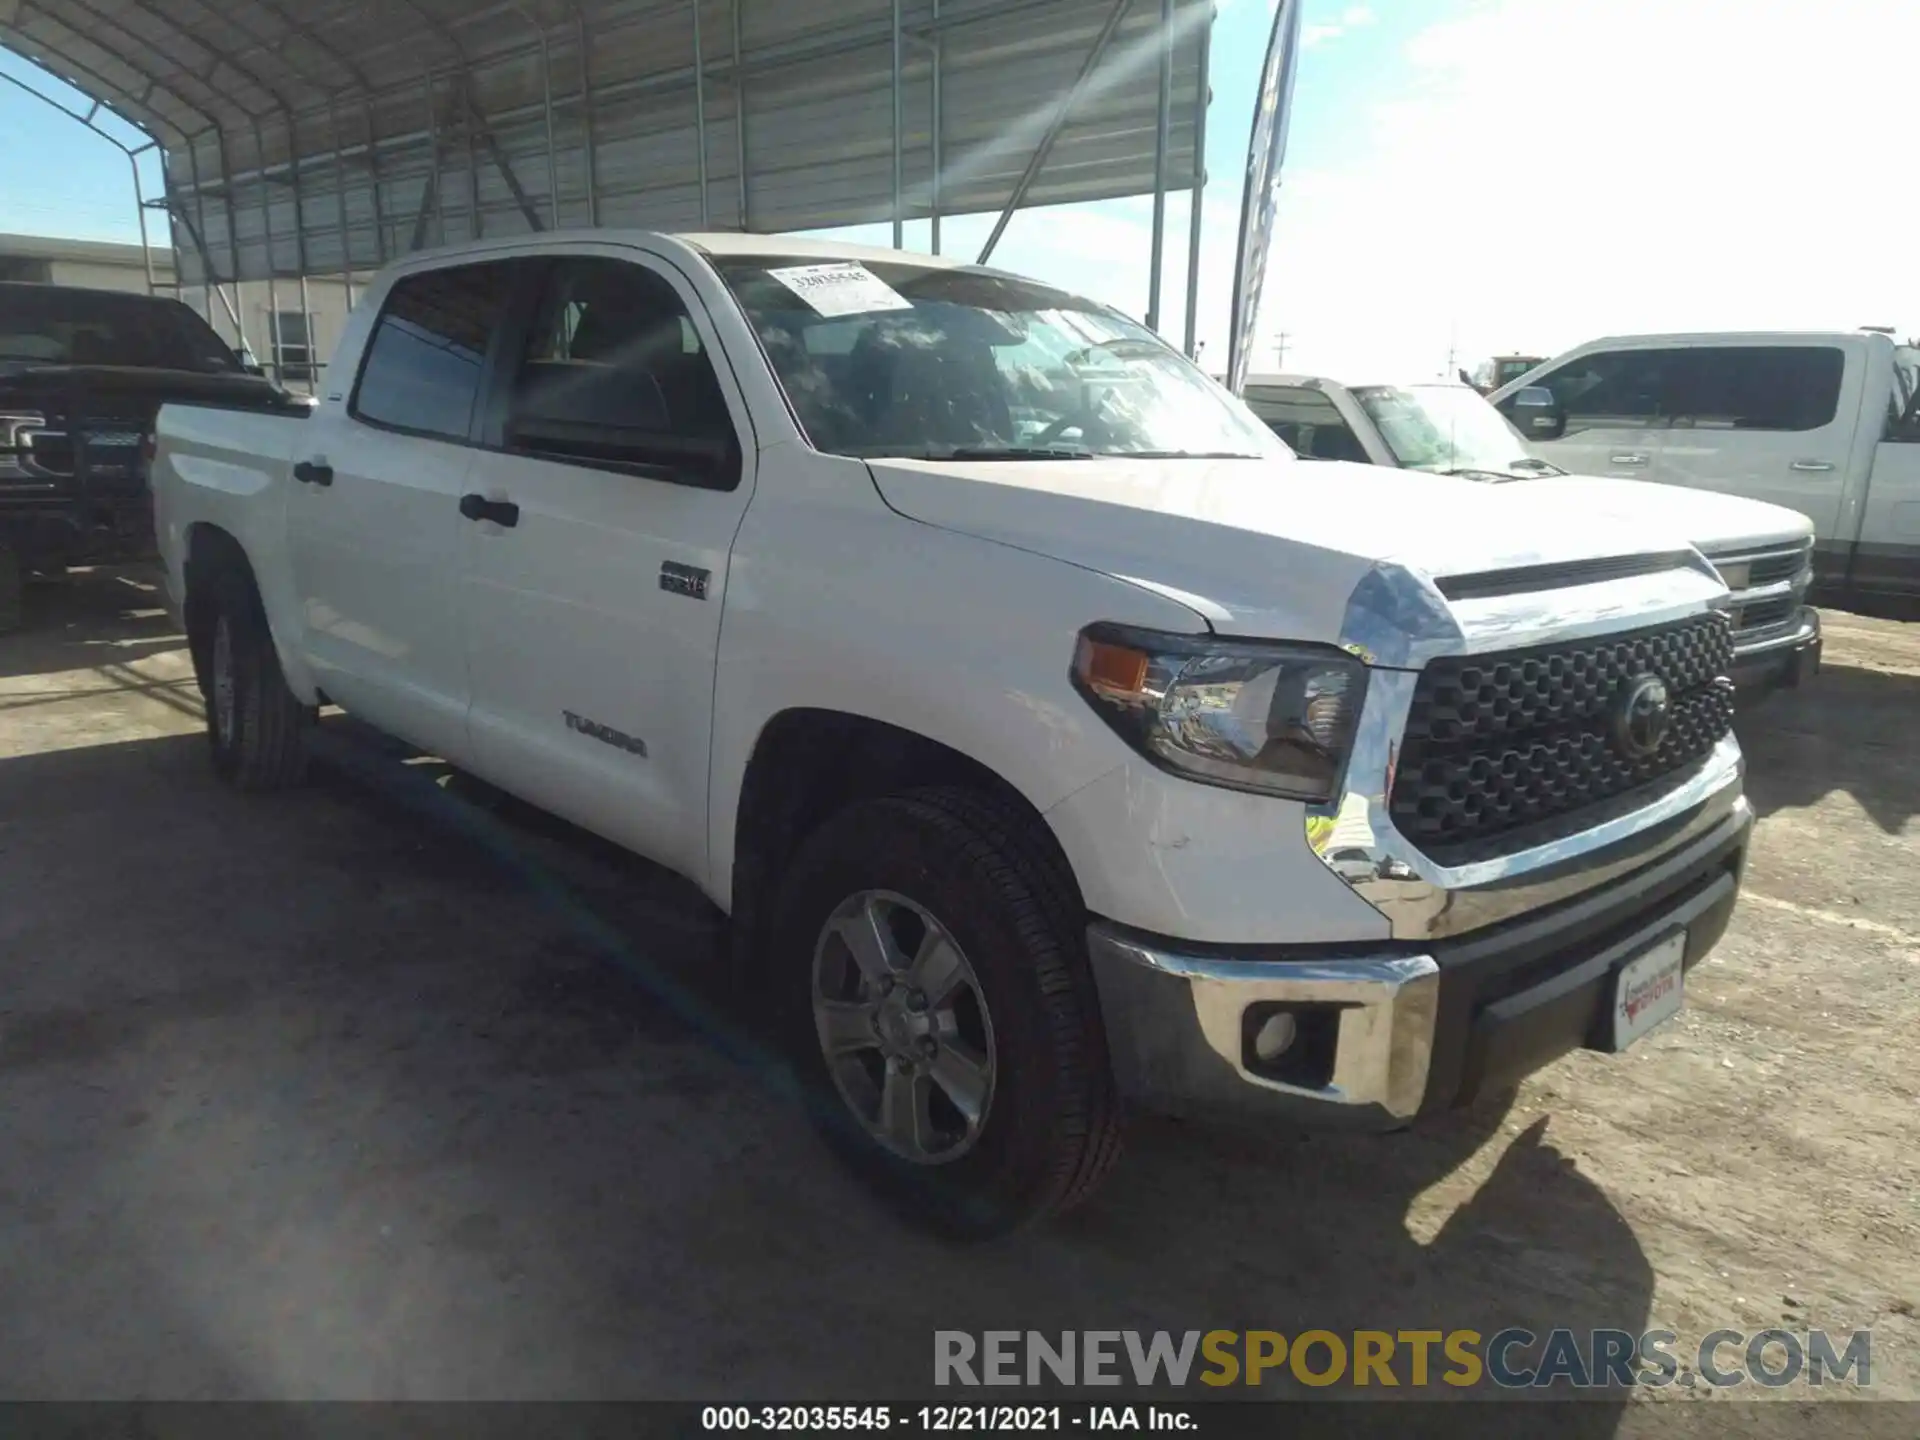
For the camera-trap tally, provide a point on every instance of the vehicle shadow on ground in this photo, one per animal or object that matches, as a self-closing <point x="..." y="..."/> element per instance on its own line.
<point x="91" y="618"/>
<point x="370" y="1091"/>
<point x="1802" y="745"/>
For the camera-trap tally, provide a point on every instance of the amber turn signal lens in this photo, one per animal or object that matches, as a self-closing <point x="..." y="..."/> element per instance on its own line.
<point x="1111" y="669"/>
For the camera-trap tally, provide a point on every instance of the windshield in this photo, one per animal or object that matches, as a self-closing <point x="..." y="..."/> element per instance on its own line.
<point x="906" y="359"/>
<point x="1443" y="427"/>
<point x="54" y="325"/>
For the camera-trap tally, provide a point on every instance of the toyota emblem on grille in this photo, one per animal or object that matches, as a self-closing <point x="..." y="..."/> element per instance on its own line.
<point x="1641" y="714"/>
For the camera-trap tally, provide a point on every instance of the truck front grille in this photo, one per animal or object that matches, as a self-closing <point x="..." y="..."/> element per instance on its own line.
<point x="113" y="447"/>
<point x="1765" y="614"/>
<point x="1747" y="573"/>
<point x="1751" y="570"/>
<point x="1497" y="746"/>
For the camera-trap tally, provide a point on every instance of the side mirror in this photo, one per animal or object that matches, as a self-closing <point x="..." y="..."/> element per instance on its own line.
<point x="1535" y="413"/>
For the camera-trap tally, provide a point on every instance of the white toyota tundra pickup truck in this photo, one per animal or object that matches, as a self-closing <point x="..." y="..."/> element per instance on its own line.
<point x="1056" y="742"/>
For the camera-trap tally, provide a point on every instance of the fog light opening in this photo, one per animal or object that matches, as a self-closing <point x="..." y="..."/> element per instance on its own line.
<point x="1275" y="1037"/>
<point x="1292" y="1041"/>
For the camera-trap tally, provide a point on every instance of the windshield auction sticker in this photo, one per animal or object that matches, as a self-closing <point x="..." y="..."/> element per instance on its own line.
<point x="845" y="288"/>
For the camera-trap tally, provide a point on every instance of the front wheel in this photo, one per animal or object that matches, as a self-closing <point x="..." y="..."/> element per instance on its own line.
<point x="938" y="1008"/>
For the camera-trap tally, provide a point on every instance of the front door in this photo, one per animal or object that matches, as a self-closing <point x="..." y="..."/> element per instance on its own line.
<point x="374" y="524"/>
<point x="603" y="509"/>
<point x="1611" y="400"/>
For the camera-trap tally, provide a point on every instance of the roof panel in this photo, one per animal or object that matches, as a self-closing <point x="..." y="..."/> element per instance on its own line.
<point x="320" y="135"/>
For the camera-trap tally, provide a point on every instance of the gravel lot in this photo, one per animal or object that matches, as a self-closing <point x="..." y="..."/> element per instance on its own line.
<point x="379" y="1090"/>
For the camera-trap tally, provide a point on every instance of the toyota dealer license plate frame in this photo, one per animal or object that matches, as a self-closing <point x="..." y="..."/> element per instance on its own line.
<point x="1648" y="990"/>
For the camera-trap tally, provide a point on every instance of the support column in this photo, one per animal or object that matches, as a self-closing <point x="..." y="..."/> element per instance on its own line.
<point x="700" y="117"/>
<point x="899" y="137"/>
<point x="1202" y="100"/>
<point x="1162" y="141"/>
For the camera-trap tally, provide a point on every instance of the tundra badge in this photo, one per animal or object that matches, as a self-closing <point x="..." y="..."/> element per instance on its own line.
<point x="605" y="734"/>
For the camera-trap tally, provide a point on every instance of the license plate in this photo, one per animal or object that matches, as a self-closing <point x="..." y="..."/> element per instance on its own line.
<point x="1649" y="989"/>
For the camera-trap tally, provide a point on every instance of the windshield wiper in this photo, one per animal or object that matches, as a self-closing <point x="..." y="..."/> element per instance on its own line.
<point x="1182" y="455"/>
<point x="1012" y="452"/>
<point x="1474" y="472"/>
<point x="1539" y="467"/>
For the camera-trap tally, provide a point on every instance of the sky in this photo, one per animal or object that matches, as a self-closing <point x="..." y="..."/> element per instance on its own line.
<point x="1464" y="178"/>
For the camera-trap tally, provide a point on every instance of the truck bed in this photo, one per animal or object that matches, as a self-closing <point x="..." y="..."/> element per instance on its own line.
<point x="225" y="465"/>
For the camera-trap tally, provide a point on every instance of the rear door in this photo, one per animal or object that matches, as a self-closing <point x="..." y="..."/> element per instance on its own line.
<point x="374" y="526"/>
<point x="1772" y="422"/>
<point x="617" y="465"/>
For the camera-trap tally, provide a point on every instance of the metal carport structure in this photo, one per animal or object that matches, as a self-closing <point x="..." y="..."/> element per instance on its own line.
<point x="309" y="138"/>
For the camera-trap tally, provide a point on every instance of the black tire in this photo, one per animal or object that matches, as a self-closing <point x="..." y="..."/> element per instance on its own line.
<point x="13" y="591"/>
<point x="1051" y="1131"/>
<point x="257" y="732"/>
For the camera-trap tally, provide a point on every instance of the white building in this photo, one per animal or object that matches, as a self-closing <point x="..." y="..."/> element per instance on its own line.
<point x="291" y="340"/>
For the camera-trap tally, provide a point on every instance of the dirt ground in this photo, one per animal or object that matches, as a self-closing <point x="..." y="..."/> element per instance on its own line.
<point x="380" y="1091"/>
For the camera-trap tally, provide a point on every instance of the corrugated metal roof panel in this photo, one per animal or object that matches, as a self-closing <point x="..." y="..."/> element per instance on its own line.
<point x="321" y="122"/>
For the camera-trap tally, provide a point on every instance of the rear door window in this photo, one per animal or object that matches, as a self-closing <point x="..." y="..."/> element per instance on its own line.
<point x="1760" y="387"/>
<point x="424" y="360"/>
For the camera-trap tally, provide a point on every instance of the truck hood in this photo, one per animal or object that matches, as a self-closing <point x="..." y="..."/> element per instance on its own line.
<point x="1713" y="523"/>
<point x="52" y="383"/>
<point x="1260" y="547"/>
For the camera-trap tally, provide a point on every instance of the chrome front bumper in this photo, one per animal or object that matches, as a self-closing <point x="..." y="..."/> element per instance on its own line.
<point x="1176" y="1025"/>
<point x="1387" y="1032"/>
<point x="1781" y="657"/>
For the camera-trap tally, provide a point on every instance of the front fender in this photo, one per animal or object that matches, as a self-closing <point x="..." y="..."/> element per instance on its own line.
<point x="836" y="603"/>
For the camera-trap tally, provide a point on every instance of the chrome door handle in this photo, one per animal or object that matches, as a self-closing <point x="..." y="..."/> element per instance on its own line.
<point x="1626" y="459"/>
<point x="1815" y="465"/>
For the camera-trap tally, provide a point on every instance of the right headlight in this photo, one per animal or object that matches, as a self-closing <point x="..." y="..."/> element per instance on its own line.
<point x="1276" y="719"/>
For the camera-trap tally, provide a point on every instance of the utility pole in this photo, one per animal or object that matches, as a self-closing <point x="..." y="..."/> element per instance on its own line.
<point x="1280" y="350"/>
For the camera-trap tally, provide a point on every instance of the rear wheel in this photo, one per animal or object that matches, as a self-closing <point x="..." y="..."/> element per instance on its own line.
<point x="937" y="1006"/>
<point x="256" y="727"/>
